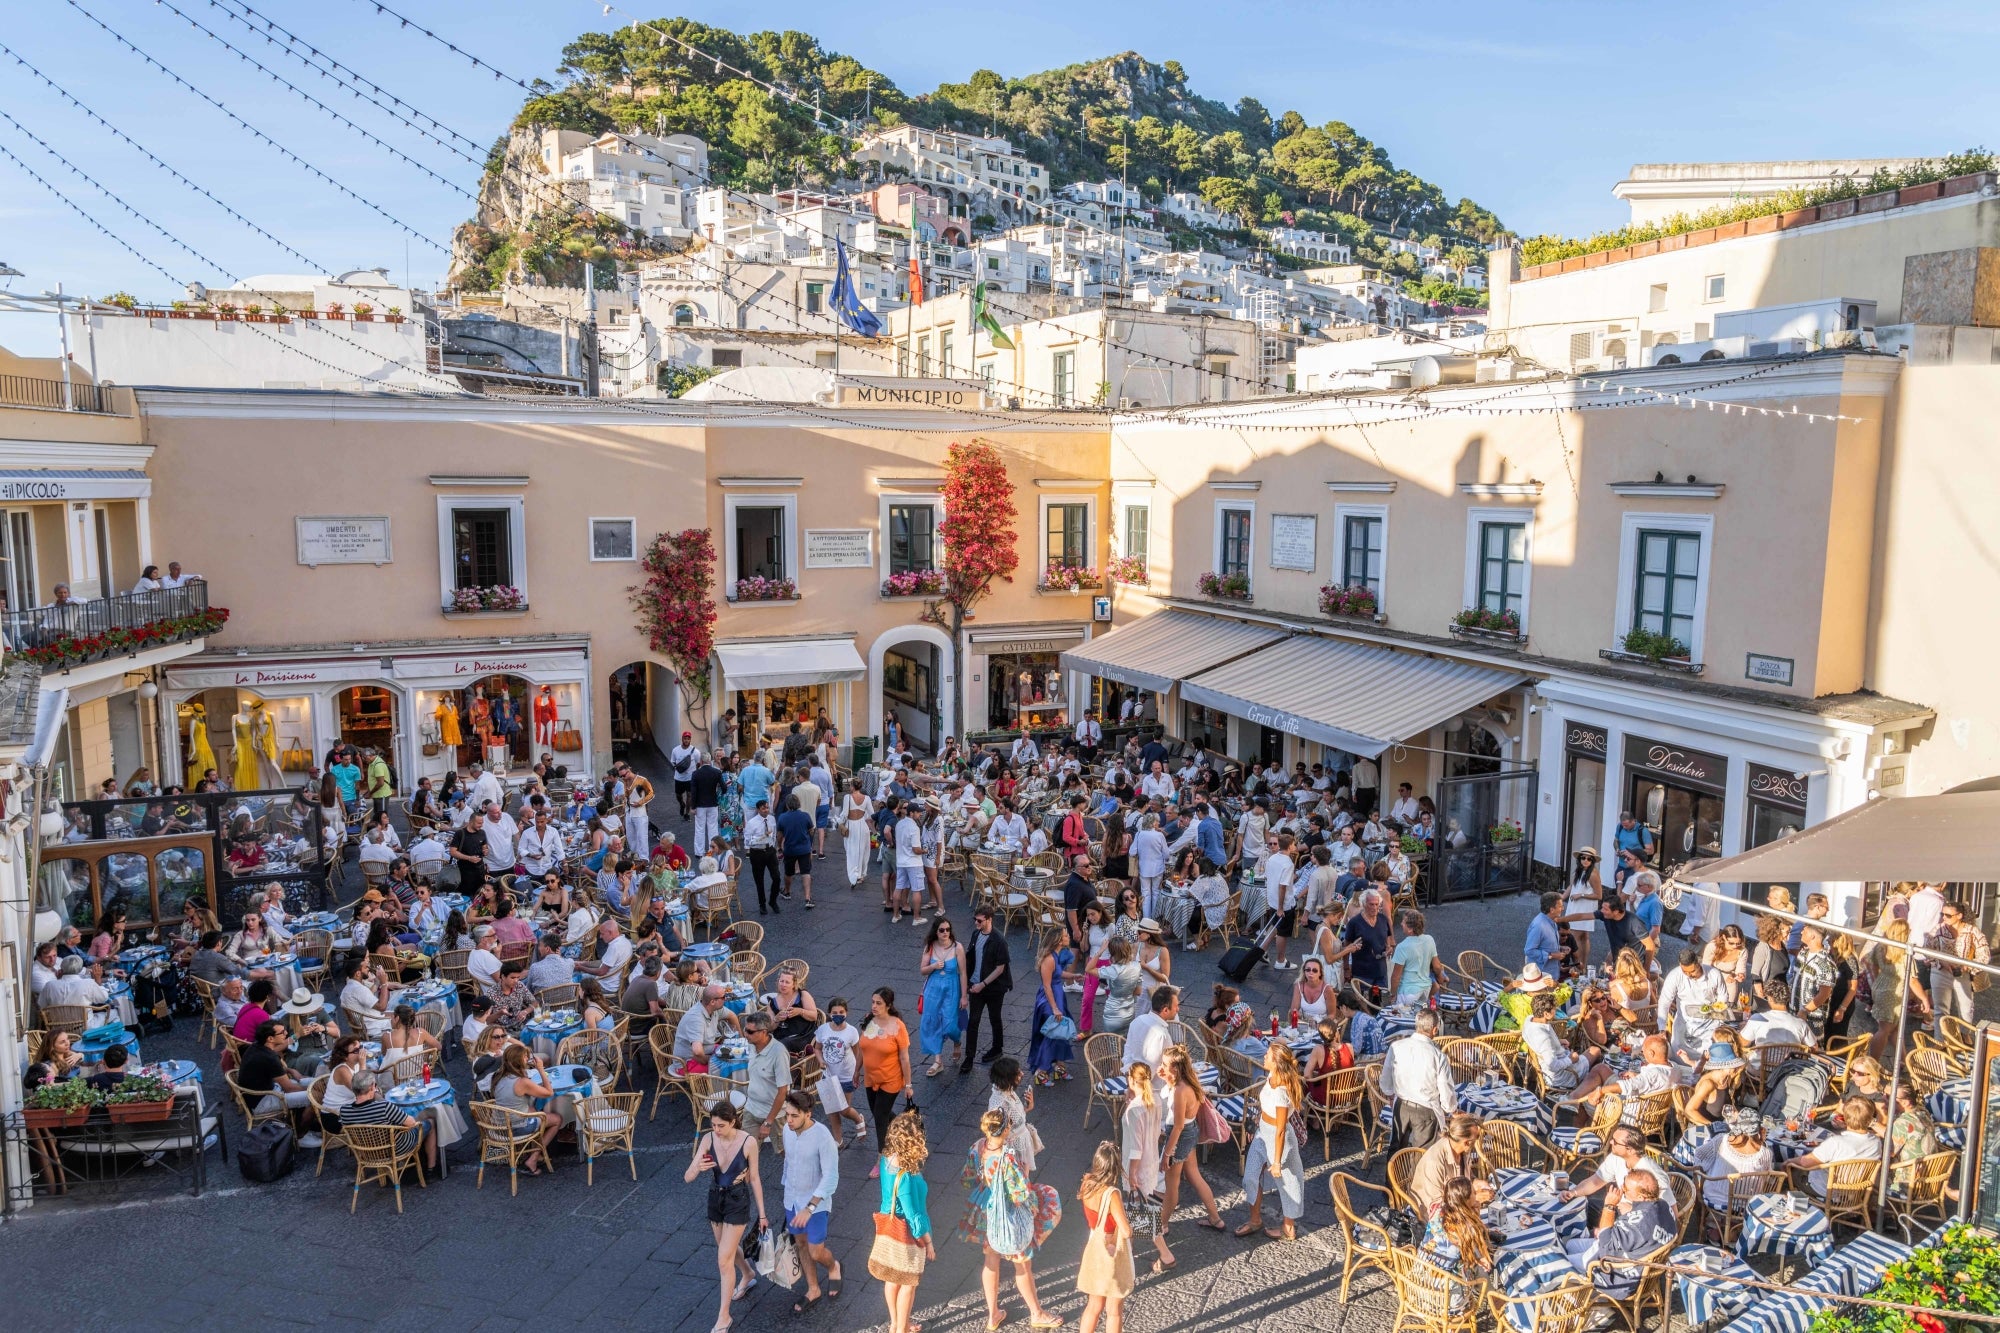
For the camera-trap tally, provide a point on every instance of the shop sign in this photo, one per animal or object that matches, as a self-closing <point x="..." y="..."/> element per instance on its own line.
<point x="500" y="663"/>
<point x="838" y="548"/>
<point x="1276" y="719"/>
<point x="929" y="398"/>
<point x="1682" y="767"/>
<point x="1774" y="786"/>
<point x="273" y="675"/>
<point x="1294" y="541"/>
<point x="1015" y="647"/>
<point x="31" y="485"/>
<point x="1579" y="738"/>
<point x="1100" y="609"/>
<point x="329" y="540"/>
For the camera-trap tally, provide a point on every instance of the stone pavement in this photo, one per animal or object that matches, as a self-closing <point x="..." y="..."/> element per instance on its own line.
<point x="627" y="1254"/>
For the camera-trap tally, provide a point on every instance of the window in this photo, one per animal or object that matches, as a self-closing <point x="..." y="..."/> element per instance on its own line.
<point x="902" y="359"/>
<point x="1205" y="727"/>
<point x="1656" y="298"/>
<point x="1713" y="287"/>
<point x="823" y="360"/>
<point x="1234" y="525"/>
<point x="614" y="539"/>
<point x="481" y="548"/>
<point x="912" y="536"/>
<point x="19" y="586"/>
<point x="1218" y="381"/>
<point x="726" y="358"/>
<point x="924" y="355"/>
<point x="1068" y="530"/>
<point x="945" y="366"/>
<point x="1667" y="575"/>
<point x="1503" y="568"/>
<point x="759" y="537"/>
<point x="683" y="315"/>
<point x="631" y="217"/>
<point x="1361" y="552"/>
<point x="1135" y="528"/>
<point x="1062" y="376"/>
<point x="815" y="297"/>
<point x="986" y="372"/>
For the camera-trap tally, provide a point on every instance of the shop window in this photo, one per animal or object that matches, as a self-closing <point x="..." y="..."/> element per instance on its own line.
<point x="1205" y="727"/>
<point x="614" y="539"/>
<point x="912" y="536"/>
<point x="1026" y="690"/>
<point x="1234" y="524"/>
<point x="1066" y="536"/>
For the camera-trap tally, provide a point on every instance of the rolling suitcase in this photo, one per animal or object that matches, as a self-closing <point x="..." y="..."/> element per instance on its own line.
<point x="1240" y="961"/>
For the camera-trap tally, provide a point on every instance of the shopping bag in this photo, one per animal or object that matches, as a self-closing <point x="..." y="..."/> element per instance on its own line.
<point x="785" y="1268"/>
<point x="832" y="1097"/>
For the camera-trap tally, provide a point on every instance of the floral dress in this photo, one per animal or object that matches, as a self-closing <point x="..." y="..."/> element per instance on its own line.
<point x="731" y="826"/>
<point x="982" y="1175"/>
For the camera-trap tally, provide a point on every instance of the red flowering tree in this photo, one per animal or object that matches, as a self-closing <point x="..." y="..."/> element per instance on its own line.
<point x="676" y="606"/>
<point x="978" y="536"/>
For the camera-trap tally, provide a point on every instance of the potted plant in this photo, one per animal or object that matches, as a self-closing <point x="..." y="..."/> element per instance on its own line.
<point x="394" y="314"/>
<point x="1654" y="647"/>
<point x="1480" y="620"/>
<point x="227" y="310"/>
<point x="59" y="1105"/>
<point x="1067" y="578"/>
<point x="756" y="589"/>
<point x="364" y="311"/>
<point x="1126" y="569"/>
<point x="1347" y="600"/>
<point x="138" y="1099"/>
<point x="123" y="300"/>
<point x="914" y="583"/>
<point x="334" y="310"/>
<point x="1236" y="587"/>
<point x="178" y="310"/>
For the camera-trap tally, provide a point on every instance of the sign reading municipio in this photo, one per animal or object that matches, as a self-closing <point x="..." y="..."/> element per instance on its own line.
<point x="838" y="548"/>
<point x="926" y="398"/>
<point x="334" y="540"/>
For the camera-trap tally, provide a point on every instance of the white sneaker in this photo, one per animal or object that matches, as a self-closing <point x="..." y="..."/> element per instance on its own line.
<point x="310" y="1140"/>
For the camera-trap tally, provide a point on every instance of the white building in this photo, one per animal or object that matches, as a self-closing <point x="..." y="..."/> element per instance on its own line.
<point x="975" y="173"/>
<point x="1198" y="212"/>
<point x="643" y="180"/>
<point x="1424" y="254"/>
<point x="1658" y="190"/>
<point x="1315" y="246"/>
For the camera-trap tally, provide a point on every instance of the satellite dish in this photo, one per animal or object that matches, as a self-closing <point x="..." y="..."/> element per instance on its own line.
<point x="1425" y="372"/>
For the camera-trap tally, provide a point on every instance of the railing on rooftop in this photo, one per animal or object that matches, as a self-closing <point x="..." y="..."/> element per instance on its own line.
<point x="58" y="395"/>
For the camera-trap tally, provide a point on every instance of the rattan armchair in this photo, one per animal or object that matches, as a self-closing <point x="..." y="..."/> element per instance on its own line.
<point x="329" y="1137"/>
<point x="504" y="1136"/>
<point x="71" y="1018"/>
<point x="1850" y="1191"/>
<point x="1743" y="1187"/>
<point x="382" y="1153"/>
<point x="252" y="1104"/>
<point x="745" y="934"/>
<point x="1929" y="1069"/>
<point x="1564" y="1308"/>
<point x="1573" y="1145"/>
<point x="1104" y="1055"/>
<point x="1955" y="1033"/>
<point x="1477" y="967"/>
<point x="1655" y="1109"/>
<point x="562" y="995"/>
<point x="748" y="965"/>
<point x="1917" y="1191"/>
<point x="1364" y="1244"/>
<point x="1651" y="1291"/>
<point x="1470" y="1058"/>
<point x="1334" y="1098"/>
<point x="660" y="1041"/>
<point x="1430" y="1299"/>
<point x="597" y="1049"/>
<point x="1402" y="1170"/>
<point x="1191" y="1035"/>
<point x="205" y="993"/>
<point x="604" y="1123"/>
<point x="1504" y="1143"/>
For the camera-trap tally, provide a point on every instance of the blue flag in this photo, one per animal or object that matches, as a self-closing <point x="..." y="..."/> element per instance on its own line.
<point x="847" y="306"/>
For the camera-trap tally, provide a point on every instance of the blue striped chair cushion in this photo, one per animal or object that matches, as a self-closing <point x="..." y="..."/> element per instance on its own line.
<point x="1388" y="1117"/>
<point x="1230" y="1109"/>
<point x="1113" y="1086"/>
<point x="1571" y="1139"/>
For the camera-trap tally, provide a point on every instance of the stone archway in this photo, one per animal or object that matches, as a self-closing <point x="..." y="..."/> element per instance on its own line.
<point x="946" y="684"/>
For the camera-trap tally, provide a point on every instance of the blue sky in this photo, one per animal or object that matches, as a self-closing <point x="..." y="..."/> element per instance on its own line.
<point x="1534" y="110"/>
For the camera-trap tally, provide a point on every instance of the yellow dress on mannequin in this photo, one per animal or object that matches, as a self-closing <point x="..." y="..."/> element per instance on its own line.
<point x="268" y="768"/>
<point x="447" y="720"/>
<point x="242" y="729"/>
<point x="256" y="737"/>
<point x="201" y="755"/>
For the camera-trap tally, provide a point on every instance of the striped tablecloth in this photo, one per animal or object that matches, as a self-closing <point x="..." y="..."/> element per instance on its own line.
<point x="1210" y="1076"/>
<point x="1864" y="1259"/>
<point x="1528" y="1263"/>
<point x="1783" y="1144"/>
<point x="1504" y="1101"/>
<point x="1767" y="1230"/>
<point x="1714" y="1295"/>
<point x="1524" y="1190"/>
<point x="1951" y="1107"/>
<point x="1792" y="1311"/>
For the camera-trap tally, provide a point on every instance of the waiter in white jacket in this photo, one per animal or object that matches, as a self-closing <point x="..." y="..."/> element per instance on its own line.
<point x="1417" y="1075"/>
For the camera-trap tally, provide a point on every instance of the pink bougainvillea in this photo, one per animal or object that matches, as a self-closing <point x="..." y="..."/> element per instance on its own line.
<point x="676" y="604"/>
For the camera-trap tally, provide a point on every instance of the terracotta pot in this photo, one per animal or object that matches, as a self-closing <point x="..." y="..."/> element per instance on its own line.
<point x="1759" y="226"/>
<point x="1798" y="217"/>
<point x="364" y="319"/>
<point x="55" y="1118"/>
<point x="1837" y="208"/>
<point x="139" y="1113"/>
<point x="1729" y="231"/>
<point x="395" y="319"/>
<point x="1919" y="194"/>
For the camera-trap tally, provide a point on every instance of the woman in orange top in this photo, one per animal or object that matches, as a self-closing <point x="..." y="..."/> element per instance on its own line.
<point x="884" y="1048"/>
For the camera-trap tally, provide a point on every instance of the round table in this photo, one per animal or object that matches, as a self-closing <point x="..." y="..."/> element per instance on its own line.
<point x="284" y="969"/>
<point x="1504" y="1101"/>
<point x="715" y="954"/>
<point x="426" y="994"/>
<point x="121" y="1002"/>
<point x="139" y="955"/>
<point x="436" y="1102"/>
<point x="327" y="921"/>
<point x="546" y="1033"/>
<point x="93" y="1046"/>
<point x="1772" y="1226"/>
<point x="572" y="1084"/>
<point x="739" y="999"/>
<point x="1717" y="1291"/>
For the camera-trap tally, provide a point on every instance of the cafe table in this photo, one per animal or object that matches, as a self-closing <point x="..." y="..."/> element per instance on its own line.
<point x="92" y="1046"/>
<point x="1951" y="1106"/>
<point x="1716" y="1291"/>
<point x="545" y="1033"/>
<point x="1774" y="1224"/>
<point x="572" y="1083"/>
<point x="437" y="1102"/>
<point x="426" y="994"/>
<point x="1505" y="1101"/>
<point x="141" y="955"/>
<point x="1528" y="1260"/>
<point x="121" y="1008"/>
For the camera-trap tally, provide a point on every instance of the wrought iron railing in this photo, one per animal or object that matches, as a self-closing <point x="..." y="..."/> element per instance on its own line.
<point x="73" y="396"/>
<point x="38" y="626"/>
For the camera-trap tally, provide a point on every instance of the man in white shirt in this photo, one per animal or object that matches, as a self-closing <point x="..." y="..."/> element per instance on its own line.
<point x="1024" y="751"/>
<point x="1009" y="830"/>
<point x="1404" y="811"/>
<point x="176" y="579"/>
<point x="1655" y="1075"/>
<point x="1150" y="1034"/>
<point x="426" y="849"/>
<point x="484" y="961"/>
<point x="1417" y="1074"/>
<point x="1149" y="861"/>
<point x="501" y="831"/>
<point x="1857" y="1142"/>
<point x="45" y="968"/>
<point x="1279" y="896"/>
<point x="910" y="883"/>
<point x="1561" y="1070"/>
<point x="483" y="787"/>
<point x="613" y="952"/>
<point x="1926" y="910"/>
<point x="1627" y="1153"/>
<point x="1158" y="783"/>
<point x="375" y="850"/>
<point x="73" y="985"/>
<point x="682" y="758"/>
<point x="1776" y="1025"/>
<point x="540" y="846"/>
<point x="1089" y="735"/>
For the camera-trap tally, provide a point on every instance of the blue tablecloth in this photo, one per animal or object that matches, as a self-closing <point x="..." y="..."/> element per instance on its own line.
<point x="418" y="1094"/>
<point x="1792" y="1311"/>
<point x="1504" y="1101"/>
<point x="1716" y="1295"/>
<point x="1524" y="1190"/>
<point x="1766" y="1232"/>
<point x="327" y="921"/>
<point x="1783" y="1145"/>
<point x="92" y="1048"/>
<point x="428" y="994"/>
<point x="545" y="1034"/>
<point x="1528" y="1263"/>
<point x="139" y="955"/>
<point x="175" y="1072"/>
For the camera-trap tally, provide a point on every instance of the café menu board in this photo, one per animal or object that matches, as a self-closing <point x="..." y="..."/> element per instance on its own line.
<point x="339" y="540"/>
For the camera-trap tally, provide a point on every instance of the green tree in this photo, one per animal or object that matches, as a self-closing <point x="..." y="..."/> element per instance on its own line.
<point x="1232" y="196"/>
<point x="756" y="127"/>
<point x="1289" y="124"/>
<point x="1256" y="121"/>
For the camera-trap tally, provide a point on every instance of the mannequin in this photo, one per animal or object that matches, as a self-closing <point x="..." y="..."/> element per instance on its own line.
<point x="480" y="713"/>
<point x="201" y="755"/>
<point x="447" y="722"/>
<point x="506" y="718"/>
<point x="545" y="717"/>
<point x="255" y="735"/>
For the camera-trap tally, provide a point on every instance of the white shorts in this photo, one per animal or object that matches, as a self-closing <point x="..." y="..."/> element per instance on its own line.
<point x="910" y="879"/>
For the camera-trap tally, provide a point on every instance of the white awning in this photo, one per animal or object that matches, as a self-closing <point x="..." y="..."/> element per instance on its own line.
<point x="1357" y="697"/>
<point x="1168" y="647"/>
<point x="774" y="663"/>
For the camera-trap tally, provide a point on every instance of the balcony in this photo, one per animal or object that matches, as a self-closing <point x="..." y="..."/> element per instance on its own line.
<point x="63" y="635"/>
<point x="55" y="396"/>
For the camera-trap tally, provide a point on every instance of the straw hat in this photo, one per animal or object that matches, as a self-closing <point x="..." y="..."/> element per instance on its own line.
<point x="303" y="1002"/>
<point x="1148" y="926"/>
<point x="1533" y="981"/>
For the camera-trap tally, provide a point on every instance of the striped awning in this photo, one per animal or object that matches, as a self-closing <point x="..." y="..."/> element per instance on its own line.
<point x="1357" y="697"/>
<point x="1167" y="647"/>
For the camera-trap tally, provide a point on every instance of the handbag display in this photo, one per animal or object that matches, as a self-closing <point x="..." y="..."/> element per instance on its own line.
<point x="294" y="758"/>
<point x="566" y="737"/>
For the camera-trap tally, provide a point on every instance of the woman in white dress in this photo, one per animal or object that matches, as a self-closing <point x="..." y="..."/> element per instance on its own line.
<point x="1139" y="1151"/>
<point x="855" y="808"/>
<point x="1580" y="904"/>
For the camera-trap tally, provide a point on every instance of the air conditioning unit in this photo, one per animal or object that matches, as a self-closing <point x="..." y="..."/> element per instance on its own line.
<point x="1497" y="369"/>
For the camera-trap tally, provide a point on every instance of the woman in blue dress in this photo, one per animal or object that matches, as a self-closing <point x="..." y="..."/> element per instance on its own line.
<point x="945" y="1001"/>
<point x="1049" y="1057"/>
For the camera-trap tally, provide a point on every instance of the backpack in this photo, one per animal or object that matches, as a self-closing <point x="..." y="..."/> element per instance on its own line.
<point x="1797" y="1086"/>
<point x="267" y="1153"/>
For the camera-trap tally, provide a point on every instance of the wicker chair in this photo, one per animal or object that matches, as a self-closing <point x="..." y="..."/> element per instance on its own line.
<point x="1928" y="1070"/>
<point x="1191" y="1035"/>
<point x="329" y="1137"/>
<point x="451" y="965"/>
<point x="501" y="1139"/>
<point x="719" y="911"/>
<point x="1767" y="1058"/>
<point x="71" y="1018"/>
<point x="1955" y="1033"/>
<point x="745" y="934"/>
<point x="1104" y="1054"/>
<point x="1564" y="1308"/>
<point x="1655" y="1109"/>
<point x="435" y="1020"/>
<point x="1651" y="1291"/>
<point x="1850" y="1193"/>
<point x="314" y="949"/>
<point x="1402" y="1170"/>
<point x="1839" y="1052"/>
<point x="1917" y="1191"/>
<point x="1430" y="1299"/>
<point x="563" y="995"/>
<point x="1239" y="1110"/>
<point x="1337" y="1097"/>
<point x="377" y="1157"/>
<point x="1508" y="1044"/>
<point x="1470" y="1058"/>
<point x="799" y="966"/>
<point x="607" y="1122"/>
<point x="1743" y="1187"/>
<point x="1477" y="967"/>
<point x="1238" y="1070"/>
<point x="1375" y="1133"/>
<point x="747" y="964"/>
<point x="599" y="1050"/>
<point x="249" y="1102"/>
<point x="205" y="993"/>
<point x="1573" y="1146"/>
<point x="404" y="1070"/>
<point x="1504" y="1143"/>
<point x="660" y="1041"/>
<point x="1045" y="916"/>
<point x="1365" y="1244"/>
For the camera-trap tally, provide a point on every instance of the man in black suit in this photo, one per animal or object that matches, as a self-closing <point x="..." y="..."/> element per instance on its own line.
<point x="989" y="977"/>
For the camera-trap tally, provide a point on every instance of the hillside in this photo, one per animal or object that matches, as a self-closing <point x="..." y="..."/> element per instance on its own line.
<point x="1087" y="121"/>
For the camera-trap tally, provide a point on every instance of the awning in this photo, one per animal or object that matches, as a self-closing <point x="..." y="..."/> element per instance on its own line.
<point x="1952" y="838"/>
<point x="775" y="663"/>
<point x="1167" y="647"/>
<point x="1357" y="697"/>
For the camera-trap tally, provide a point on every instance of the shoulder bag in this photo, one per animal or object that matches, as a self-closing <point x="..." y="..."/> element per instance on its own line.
<point x="896" y="1255"/>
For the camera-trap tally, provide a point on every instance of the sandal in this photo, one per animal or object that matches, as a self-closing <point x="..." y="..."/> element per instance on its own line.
<point x="934" y="1070"/>
<point x="834" y="1282"/>
<point x="1217" y="1225"/>
<point x="1247" y="1229"/>
<point x="742" y="1290"/>
<point x="1048" y="1321"/>
<point x="805" y="1303"/>
<point x="1162" y="1266"/>
<point x="1286" y="1236"/>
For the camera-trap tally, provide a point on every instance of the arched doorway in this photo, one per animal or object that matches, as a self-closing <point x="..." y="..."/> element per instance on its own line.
<point x="911" y="679"/>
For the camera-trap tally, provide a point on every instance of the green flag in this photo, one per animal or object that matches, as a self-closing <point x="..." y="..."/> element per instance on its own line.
<point x="982" y="318"/>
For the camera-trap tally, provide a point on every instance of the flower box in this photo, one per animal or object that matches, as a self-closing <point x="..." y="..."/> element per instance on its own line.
<point x="54" y="1117"/>
<point x="1068" y="578"/>
<point x="180" y="314"/>
<point x="490" y="597"/>
<point x="1680" y="665"/>
<point x="1231" y="587"/>
<point x="72" y="650"/>
<point x="914" y="583"/>
<point x="1130" y="569"/>
<point x="139" y="1113"/>
<point x="395" y="319"/>
<point x="1355" y="602"/>
<point x="364" y="319"/>
<point x="764" y="590"/>
<point x="1514" y="637"/>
